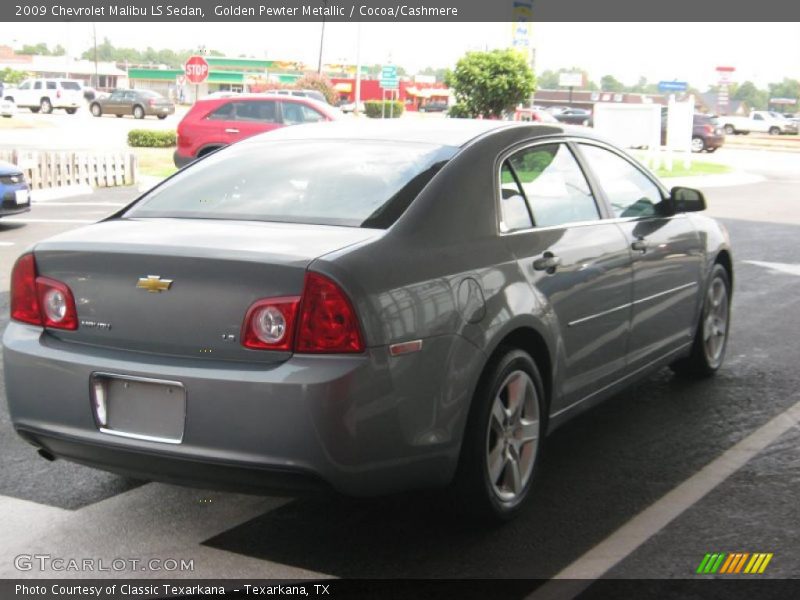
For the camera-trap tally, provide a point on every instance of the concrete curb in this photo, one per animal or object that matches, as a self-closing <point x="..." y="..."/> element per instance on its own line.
<point x="60" y="192"/>
<point x="709" y="181"/>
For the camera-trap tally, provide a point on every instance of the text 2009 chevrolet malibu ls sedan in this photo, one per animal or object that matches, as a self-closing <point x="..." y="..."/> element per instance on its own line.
<point x="372" y="307"/>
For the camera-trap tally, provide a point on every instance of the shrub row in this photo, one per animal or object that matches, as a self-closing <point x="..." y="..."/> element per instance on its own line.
<point x="147" y="138"/>
<point x="377" y="108"/>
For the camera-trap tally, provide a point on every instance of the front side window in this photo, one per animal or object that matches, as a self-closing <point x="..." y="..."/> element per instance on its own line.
<point x="71" y="85"/>
<point x="331" y="182"/>
<point x="37" y="85"/>
<point x="295" y="113"/>
<point x="629" y="191"/>
<point x="51" y="85"/>
<point x="553" y="184"/>
<point x="26" y="85"/>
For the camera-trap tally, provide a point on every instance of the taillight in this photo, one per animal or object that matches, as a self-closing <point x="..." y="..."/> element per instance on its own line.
<point x="328" y="322"/>
<point x="321" y="321"/>
<point x="709" y="129"/>
<point x="270" y="324"/>
<point x="40" y="300"/>
<point x="58" y="93"/>
<point x="24" y="301"/>
<point x="151" y="102"/>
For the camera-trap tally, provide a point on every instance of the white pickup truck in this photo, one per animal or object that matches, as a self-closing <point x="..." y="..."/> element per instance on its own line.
<point x="47" y="94"/>
<point x="759" y="121"/>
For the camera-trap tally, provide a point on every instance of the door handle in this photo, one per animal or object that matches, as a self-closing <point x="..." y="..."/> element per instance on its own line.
<point x="640" y="245"/>
<point x="231" y="130"/>
<point x="548" y="262"/>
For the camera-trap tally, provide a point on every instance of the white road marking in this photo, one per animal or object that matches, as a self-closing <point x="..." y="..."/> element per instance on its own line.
<point x="791" y="269"/>
<point x="625" y="540"/>
<point x="49" y="220"/>
<point x="6" y="243"/>
<point x="82" y="203"/>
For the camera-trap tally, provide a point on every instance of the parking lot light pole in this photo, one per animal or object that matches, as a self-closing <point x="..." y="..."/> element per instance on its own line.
<point x="96" y="76"/>
<point x="322" y="37"/>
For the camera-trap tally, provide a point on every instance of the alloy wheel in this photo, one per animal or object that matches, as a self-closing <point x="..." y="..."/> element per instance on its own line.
<point x="512" y="439"/>
<point x="715" y="321"/>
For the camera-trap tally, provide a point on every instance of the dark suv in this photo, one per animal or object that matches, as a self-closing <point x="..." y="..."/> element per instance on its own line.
<point x="706" y="133"/>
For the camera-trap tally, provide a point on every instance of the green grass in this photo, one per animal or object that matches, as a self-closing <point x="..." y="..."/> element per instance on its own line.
<point x="155" y="162"/>
<point x="696" y="168"/>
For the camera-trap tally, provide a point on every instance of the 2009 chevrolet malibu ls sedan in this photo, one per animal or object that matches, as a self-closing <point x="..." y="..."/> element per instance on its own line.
<point x="368" y="307"/>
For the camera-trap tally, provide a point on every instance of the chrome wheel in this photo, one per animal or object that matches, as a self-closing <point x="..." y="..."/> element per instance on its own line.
<point x="512" y="439"/>
<point x="715" y="322"/>
<point x="698" y="144"/>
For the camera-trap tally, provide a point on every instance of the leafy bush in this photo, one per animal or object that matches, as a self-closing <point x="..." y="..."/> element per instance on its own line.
<point x="148" y="138"/>
<point x="459" y="111"/>
<point x="375" y="108"/>
<point x="315" y="81"/>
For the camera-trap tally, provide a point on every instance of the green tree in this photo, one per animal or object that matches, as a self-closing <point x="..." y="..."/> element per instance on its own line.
<point x="315" y="81"/>
<point x="609" y="83"/>
<point x="788" y="88"/>
<point x="488" y="83"/>
<point x="12" y="77"/>
<point x="753" y="97"/>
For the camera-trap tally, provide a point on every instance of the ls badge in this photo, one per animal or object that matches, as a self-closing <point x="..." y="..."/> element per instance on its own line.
<point x="154" y="284"/>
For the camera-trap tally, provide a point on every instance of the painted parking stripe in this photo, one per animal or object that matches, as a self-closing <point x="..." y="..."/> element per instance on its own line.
<point x="6" y="243"/>
<point x="44" y="204"/>
<point x="50" y="220"/>
<point x="625" y="540"/>
<point x="791" y="269"/>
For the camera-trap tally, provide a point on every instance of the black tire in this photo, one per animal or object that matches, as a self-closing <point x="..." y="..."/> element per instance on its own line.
<point x="699" y="364"/>
<point x="34" y="109"/>
<point x="161" y="117"/>
<point x="774" y="130"/>
<point x="138" y="112"/>
<point x="698" y="144"/>
<point x="96" y="110"/>
<point x="46" y="106"/>
<point x="472" y="490"/>
<point x="71" y="111"/>
<point x="729" y="130"/>
<point x="711" y="150"/>
<point x="118" y="116"/>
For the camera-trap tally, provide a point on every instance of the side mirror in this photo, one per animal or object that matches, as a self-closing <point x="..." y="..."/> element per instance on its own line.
<point x="685" y="199"/>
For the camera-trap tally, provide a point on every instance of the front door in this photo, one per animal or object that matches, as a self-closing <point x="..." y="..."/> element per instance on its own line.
<point x="576" y="263"/>
<point x="666" y="252"/>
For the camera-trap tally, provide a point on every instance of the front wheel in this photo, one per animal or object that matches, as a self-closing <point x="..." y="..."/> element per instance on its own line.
<point x="774" y="130"/>
<point x="698" y="144"/>
<point x="138" y="112"/>
<point x="729" y="130"/>
<point x="711" y="336"/>
<point x="502" y="439"/>
<point x="161" y="117"/>
<point x="71" y="111"/>
<point x="97" y="110"/>
<point x="46" y="106"/>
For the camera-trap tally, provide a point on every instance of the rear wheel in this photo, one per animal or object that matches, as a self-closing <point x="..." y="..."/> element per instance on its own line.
<point x="162" y="117"/>
<point x="502" y="439"/>
<point x="46" y="106"/>
<point x="97" y="110"/>
<point x="774" y="130"/>
<point x="118" y="116"/>
<point x="138" y="112"/>
<point x="34" y="109"/>
<point x="71" y="111"/>
<point x="698" y="144"/>
<point x="711" y="337"/>
<point x="729" y="129"/>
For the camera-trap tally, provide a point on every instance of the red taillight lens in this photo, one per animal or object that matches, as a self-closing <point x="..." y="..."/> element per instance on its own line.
<point x="151" y="102"/>
<point x="709" y="129"/>
<point x="58" y="93"/>
<point x="270" y="324"/>
<point x="328" y="322"/>
<point x="40" y="300"/>
<point x="56" y="304"/>
<point x="24" y="301"/>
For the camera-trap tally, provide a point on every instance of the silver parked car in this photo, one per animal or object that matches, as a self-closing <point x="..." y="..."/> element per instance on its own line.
<point x="370" y="307"/>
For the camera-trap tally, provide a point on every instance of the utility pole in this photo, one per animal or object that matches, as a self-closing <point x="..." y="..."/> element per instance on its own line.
<point x="96" y="76"/>
<point x="322" y="37"/>
<point x="358" y="70"/>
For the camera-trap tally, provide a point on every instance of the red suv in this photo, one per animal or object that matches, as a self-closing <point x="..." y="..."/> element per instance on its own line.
<point x="216" y="122"/>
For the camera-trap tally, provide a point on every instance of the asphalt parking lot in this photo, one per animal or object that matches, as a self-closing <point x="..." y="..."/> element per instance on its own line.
<point x="643" y="486"/>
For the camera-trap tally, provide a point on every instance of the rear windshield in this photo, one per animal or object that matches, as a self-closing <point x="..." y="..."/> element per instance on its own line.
<point x="354" y="183"/>
<point x="70" y="85"/>
<point x="149" y="94"/>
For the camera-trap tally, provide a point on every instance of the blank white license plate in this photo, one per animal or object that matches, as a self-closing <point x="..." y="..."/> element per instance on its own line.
<point x="147" y="409"/>
<point x="21" y="196"/>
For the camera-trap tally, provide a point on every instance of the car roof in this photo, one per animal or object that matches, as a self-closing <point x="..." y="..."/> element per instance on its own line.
<point x="440" y="132"/>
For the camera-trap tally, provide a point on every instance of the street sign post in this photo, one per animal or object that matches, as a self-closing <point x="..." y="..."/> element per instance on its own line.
<point x="196" y="70"/>
<point x="390" y="82"/>
<point x="672" y="86"/>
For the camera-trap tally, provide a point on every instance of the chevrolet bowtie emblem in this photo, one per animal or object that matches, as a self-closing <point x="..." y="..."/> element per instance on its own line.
<point x="154" y="284"/>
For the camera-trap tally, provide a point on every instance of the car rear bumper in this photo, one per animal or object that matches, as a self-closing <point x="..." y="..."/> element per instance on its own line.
<point x="8" y="200"/>
<point x="714" y="141"/>
<point x="180" y="160"/>
<point x="359" y="424"/>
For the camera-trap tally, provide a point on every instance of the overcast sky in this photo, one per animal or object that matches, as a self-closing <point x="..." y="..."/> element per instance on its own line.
<point x="761" y="52"/>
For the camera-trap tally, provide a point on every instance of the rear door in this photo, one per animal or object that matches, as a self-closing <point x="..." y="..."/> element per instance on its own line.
<point x="240" y="119"/>
<point x="573" y="259"/>
<point x="296" y="113"/>
<point x="666" y="251"/>
<point x="113" y="104"/>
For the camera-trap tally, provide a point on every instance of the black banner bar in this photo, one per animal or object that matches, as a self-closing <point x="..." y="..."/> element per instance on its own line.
<point x="399" y="10"/>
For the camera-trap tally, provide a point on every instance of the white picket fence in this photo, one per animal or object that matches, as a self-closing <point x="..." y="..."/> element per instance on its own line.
<point x="51" y="169"/>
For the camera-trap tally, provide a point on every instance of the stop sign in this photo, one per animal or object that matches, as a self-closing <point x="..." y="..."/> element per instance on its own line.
<point x="196" y="69"/>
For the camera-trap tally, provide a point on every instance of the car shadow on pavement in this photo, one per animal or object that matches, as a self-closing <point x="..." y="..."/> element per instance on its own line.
<point x="599" y="470"/>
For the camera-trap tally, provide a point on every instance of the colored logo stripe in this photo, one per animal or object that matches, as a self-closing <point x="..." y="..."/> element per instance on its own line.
<point x="734" y="563"/>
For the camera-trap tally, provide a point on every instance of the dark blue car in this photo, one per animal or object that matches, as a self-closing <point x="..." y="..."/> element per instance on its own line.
<point x="14" y="191"/>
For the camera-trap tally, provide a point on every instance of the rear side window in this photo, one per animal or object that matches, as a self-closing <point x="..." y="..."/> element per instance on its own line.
<point x="630" y="192"/>
<point x="51" y="85"/>
<point x="549" y="178"/>
<point x="354" y="183"/>
<point x="71" y="85"/>
<point x="37" y="85"/>
<point x="254" y="110"/>
<point x="295" y="113"/>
